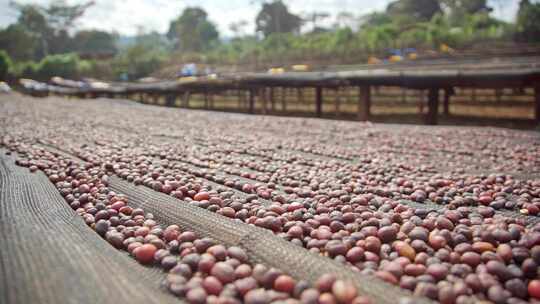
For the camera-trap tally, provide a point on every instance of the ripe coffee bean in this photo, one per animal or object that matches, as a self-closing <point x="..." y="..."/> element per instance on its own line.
<point x="534" y="289"/>
<point x="344" y="292"/>
<point x="325" y="282"/>
<point x="387" y="234"/>
<point x="212" y="285"/>
<point x="223" y="272"/>
<point x="145" y="253"/>
<point x="257" y="296"/>
<point x="284" y="283"/>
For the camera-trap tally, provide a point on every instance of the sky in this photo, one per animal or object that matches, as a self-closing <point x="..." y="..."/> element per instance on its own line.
<point x="127" y="17"/>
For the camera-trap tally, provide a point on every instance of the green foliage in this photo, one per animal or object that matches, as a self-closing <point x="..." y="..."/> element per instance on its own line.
<point x="94" y="42"/>
<point x="5" y="65"/>
<point x="62" y="16"/>
<point x="28" y="69"/>
<point x="63" y="65"/>
<point x="192" y="31"/>
<point x="275" y="17"/>
<point x="419" y="10"/>
<point x="47" y="27"/>
<point x="528" y="27"/>
<point x="18" y="43"/>
<point x="422" y="24"/>
<point x="139" y="61"/>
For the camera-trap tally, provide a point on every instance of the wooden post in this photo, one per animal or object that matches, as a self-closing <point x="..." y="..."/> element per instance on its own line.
<point x="337" y="101"/>
<point x="272" y="101"/>
<point x="283" y="99"/>
<point x="446" y="104"/>
<point x="318" y="101"/>
<point x="263" y="96"/>
<point x="170" y="99"/>
<point x="364" y="103"/>
<point x="422" y="100"/>
<point x="240" y="99"/>
<point x="251" y="101"/>
<point x="433" y="106"/>
<point x="300" y="95"/>
<point x="537" y="103"/>
<point x="187" y="94"/>
<point x="206" y="100"/>
<point x="498" y="94"/>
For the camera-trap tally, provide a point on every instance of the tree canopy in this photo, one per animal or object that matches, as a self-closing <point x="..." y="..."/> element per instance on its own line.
<point x="192" y="31"/>
<point x="420" y="10"/>
<point x="5" y="65"/>
<point x="528" y="27"/>
<point x="94" y="42"/>
<point x="46" y="37"/>
<point x="275" y="17"/>
<point x="19" y="43"/>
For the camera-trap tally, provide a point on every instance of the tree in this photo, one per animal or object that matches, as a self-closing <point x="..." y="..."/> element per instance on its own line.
<point x="50" y="25"/>
<point x="18" y="42"/>
<point x="5" y="65"/>
<point x="94" y="42"/>
<point x="60" y="43"/>
<point x="275" y="17"/>
<point x="528" y="27"/>
<point x="192" y="31"/>
<point x="63" y="65"/>
<point x="421" y="10"/>
<point x="62" y="16"/>
<point x="33" y="21"/>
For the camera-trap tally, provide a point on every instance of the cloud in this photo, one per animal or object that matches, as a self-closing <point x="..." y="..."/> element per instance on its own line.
<point x="127" y="16"/>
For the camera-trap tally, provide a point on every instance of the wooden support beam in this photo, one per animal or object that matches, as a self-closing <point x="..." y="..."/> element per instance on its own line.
<point x="300" y="95"/>
<point x="446" y="102"/>
<point x="264" y="98"/>
<point x="337" y="101"/>
<point x="422" y="101"/>
<point x="537" y="103"/>
<point x="240" y="99"/>
<point x="170" y="100"/>
<point x="318" y="101"/>
<point x="251" y="101"/>
<point x="284" y="99"/>
<point x="498" y="94"/>
<point x="433" y="106"/>
<point x="364" y="103"/>
<point x="272" y="101"/>
<point x="185" y="100"/>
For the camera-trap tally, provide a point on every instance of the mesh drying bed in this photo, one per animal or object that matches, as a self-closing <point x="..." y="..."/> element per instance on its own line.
<point x="262" y="246"/>
<point x="49" y="255"/>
